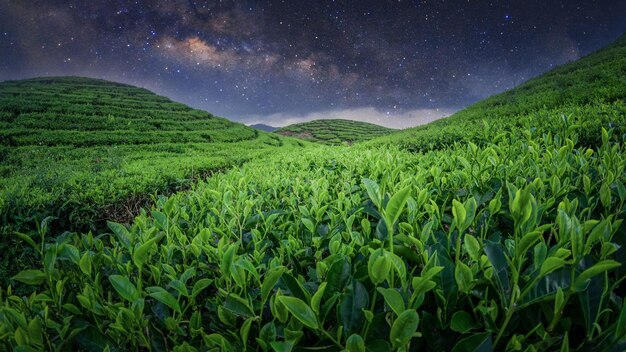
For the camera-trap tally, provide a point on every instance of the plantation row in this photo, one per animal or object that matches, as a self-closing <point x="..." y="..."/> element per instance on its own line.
<point x="23" y="137"/>
<point x="54" y="121"/>
<point x="512" y="245"/>
<point x="334" y="132"/>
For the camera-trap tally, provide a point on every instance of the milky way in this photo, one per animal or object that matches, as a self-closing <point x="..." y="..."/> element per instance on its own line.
<point x="397" y="63"/>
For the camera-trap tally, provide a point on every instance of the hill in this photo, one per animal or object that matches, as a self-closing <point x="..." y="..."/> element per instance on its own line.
<point x="263" y="127"/>
<point x="84" y="150"/>
<point x="334" y="131"/>
<point x="588" y="94"/>
<point x="508" y="237"/>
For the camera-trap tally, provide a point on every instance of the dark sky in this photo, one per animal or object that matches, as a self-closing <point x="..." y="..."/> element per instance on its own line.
<point x="397" y="63"/>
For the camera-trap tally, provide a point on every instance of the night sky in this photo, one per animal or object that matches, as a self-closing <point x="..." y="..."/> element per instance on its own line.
<point x="396" y="63"/>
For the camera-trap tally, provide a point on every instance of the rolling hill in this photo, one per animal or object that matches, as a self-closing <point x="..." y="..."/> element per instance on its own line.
<point x="84" y="150"/>
<point x="587" y="94"/>
<point x="500" y="228"/>
<point x="334" y="131"/>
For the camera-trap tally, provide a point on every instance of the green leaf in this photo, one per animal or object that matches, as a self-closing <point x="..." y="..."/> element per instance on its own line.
<point x="472" y="247"/>
<point x="470" y="212"/>
<point x="85" y="263"/>
<point x="461" y="322"/>
<point x="495" y="253"/>
<point x="459" y="214"/>
<point x="393" y="299"/>
<point x="597" y="269"/>
<point x="122" y="234"/>
<point x="526" y="242"/>
<point x="30" y="276"/>
<point x="309" y="225"/>
<point x="296" y="288"/>
<point x="373" y="191"/>
<point x="351" y="306"/>
<point x="620" y="326"/>
<point x="355" y="343"/>
<point x="140" y="256"/>
<point x="378" y="266"/>
<point x="270" y="280"/>
<point x="605" y="195"/>
<point x="403" y="328"/>
<point x="475" y="343"/>
<point x="161" y="295"/>
<point x="124" y="287"/>
<point x="338" y="275"/>
<point x="464" y="277"/>
<point x="228" y="259"/>
<point x="245" y="331"/>
<point x="199" y="286"/>
<point x="317" y="298"/>
<point x="396" y="204"/>
<point x="300" y="311"/>
<point x="35" y="332"/>
<point x="238" y="305"/>
<point x="27" y="239"/>
<point x="551" y="264"/>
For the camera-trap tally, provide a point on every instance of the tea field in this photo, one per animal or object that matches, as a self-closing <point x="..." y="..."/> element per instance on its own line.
<point x="500" y="228"/>
<point x="334" y="132"/>
<point x="83" y="149"/>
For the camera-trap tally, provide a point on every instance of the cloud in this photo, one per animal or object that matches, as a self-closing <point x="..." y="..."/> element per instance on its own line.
<point x="410" y="118"/>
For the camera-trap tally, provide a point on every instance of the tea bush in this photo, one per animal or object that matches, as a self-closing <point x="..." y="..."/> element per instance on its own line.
<point x="513" y="245"/>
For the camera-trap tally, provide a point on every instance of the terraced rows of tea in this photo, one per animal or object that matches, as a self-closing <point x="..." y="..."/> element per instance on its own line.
<point x="83" y="149"/>
<point x="334" y="132"/>
<point x="506" y="236"/>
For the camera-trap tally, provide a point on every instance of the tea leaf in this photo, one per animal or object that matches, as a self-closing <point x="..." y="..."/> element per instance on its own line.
<point x="161" y="295"/>
<point x="403" y="328"/>
<point x="124" y="287"/>
<point x="300" y="311"/>
<point x="30" y="276"/>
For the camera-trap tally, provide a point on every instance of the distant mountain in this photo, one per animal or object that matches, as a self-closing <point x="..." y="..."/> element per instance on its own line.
<point x="334" y="131"/>
<point x="263" y="127"/>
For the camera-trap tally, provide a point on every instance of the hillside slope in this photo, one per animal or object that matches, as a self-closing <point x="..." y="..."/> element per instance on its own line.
<point x="588" y="93"/>
<point x="334" y="131"/>
<point x="507" y="238"/>
<point x="83" y="149"/>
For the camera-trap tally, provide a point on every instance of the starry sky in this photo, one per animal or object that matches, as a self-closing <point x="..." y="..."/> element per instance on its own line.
<point x="395" y="63"/>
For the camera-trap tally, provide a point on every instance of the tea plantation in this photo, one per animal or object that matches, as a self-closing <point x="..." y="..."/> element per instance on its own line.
<point x="334" y="132"/>
<point x="500" y="228"/>
<point x="84" y="150"/>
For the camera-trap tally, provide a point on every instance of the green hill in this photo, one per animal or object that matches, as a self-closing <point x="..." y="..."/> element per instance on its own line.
<point x="500" y="228"/>
<point x="334" y="132"/>
<point x="587" y="94"/>
<point x="85" y="150"/>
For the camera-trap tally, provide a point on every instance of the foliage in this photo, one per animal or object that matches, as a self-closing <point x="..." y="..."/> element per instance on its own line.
<point x="84" y="150"/>
<point x="514" y="245"/>
<point x="508" y="238"/>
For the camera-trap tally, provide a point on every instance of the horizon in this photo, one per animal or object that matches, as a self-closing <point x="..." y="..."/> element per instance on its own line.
<point x="397" y="65"/>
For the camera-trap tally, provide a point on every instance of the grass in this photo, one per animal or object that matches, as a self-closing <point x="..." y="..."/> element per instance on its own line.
<point x="499" y="228"/>
<point x="334" y="132"/>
